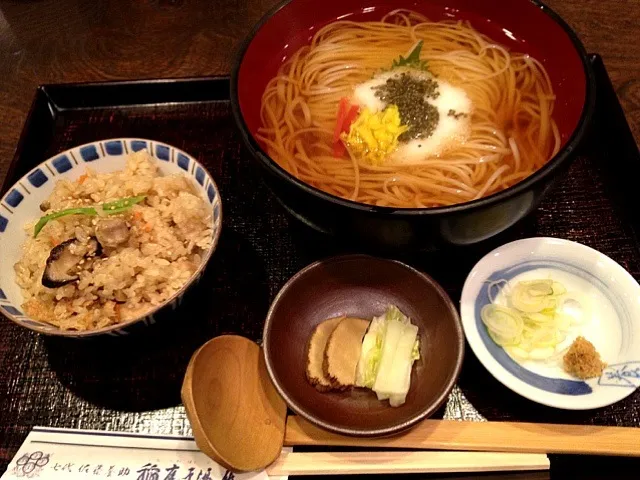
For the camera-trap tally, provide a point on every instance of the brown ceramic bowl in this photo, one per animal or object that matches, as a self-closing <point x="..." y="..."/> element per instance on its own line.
<point x="362" y="286"/>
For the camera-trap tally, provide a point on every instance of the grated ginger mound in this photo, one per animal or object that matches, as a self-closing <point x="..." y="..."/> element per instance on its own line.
<point x="582" y="360"/>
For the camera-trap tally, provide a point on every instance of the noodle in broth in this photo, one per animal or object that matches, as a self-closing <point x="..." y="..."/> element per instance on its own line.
<point x="512" y="132"/>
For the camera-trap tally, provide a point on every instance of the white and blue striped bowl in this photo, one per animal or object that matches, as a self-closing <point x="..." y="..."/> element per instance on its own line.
<point x="21" y="204"/>
<point x="614" y="329"/>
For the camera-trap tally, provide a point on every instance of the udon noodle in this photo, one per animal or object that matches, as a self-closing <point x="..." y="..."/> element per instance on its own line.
<point x="512" y="132"/>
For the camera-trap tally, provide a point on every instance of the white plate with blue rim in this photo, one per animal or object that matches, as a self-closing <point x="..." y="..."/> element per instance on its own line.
<point x="21" y="204"/>
<point x="612" y="322"/>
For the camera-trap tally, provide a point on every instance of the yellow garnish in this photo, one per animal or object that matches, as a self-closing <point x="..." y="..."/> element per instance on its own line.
<point x="374" y="136"/>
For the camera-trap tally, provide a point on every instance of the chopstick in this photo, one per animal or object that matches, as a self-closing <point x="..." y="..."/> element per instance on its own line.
<point x="396" y="462"/>
<point x="483" y="436"/>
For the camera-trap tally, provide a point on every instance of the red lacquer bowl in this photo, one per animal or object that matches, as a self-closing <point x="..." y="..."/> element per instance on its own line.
<point x="522" y="25"/>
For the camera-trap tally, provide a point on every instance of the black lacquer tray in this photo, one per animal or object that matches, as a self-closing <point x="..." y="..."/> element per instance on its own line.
<point x="132" y="383"/>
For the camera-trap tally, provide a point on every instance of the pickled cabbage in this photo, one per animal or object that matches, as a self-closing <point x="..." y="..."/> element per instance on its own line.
<point x="389" y="349"/>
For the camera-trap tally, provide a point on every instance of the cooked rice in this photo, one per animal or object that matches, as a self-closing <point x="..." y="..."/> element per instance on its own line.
<point x="169" y="232"/>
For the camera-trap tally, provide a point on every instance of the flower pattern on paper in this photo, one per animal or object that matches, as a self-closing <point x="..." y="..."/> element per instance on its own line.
<point x="31" y="464"/>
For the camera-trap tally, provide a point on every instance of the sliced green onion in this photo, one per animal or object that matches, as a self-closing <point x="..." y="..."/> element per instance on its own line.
<point x="541" y="353"/>
<point x="499" y="285"/>
<point x="541" y="318"/>
<point x="109" y="208"/>
<point x="517" y="352"/>
<point x="532" y="297"/>
<point x="558" y="288"/>
<point x="504" y="324"/>
<point x="564" y="322"/>
<point x="536" y="319"/>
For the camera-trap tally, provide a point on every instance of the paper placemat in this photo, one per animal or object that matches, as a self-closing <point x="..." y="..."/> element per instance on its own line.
<point x="57" y="454"/>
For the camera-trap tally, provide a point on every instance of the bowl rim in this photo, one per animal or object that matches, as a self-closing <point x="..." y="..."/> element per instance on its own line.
<point x="552" y="165"/>
<point x="180" y="292"/>
<point x="426" y="411"/>
<point x="499" y="372"/>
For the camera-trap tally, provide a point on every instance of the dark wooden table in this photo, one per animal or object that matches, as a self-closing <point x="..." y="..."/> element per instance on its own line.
<point x="51" y="41"/>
